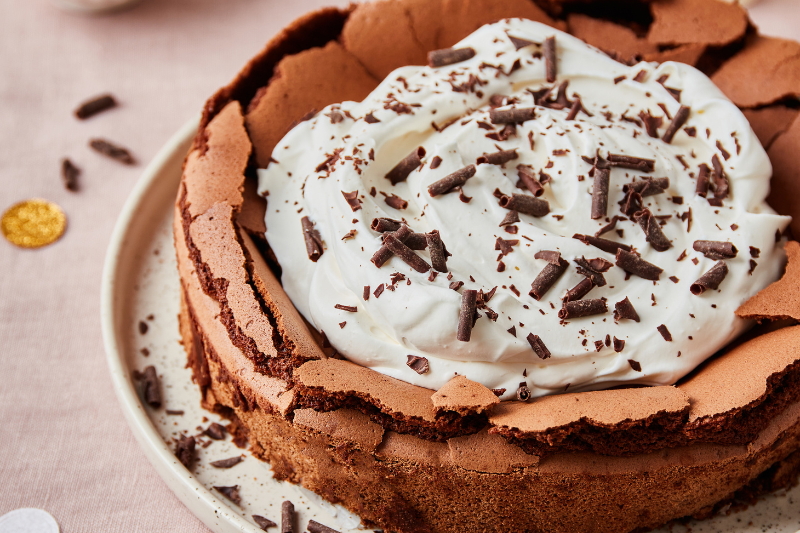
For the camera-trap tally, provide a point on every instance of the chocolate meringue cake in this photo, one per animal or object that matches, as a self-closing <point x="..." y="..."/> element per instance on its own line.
<point x="504" y="265"/>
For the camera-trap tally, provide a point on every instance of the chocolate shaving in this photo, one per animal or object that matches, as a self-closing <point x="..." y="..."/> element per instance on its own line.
<point x="528" y="179"/>
<point x="232" y="493"/>
<point x="754" y="252"/>
<point x="405" y="253"/>
<point x="405" y="167"/>
<point x="383" y="254"/>
<point x="514" y="115"/>
<point x="505" y="247"/>
<point x="112" y="150"/>
<point x="528" y="205"/>
<point x="647" y="186"/>
<point x="455" y="285"/>
<point x="581" y="308"/>
<point x="624" y="311"/>
<point x="711" y="279"/>
<point x="313" y="239"/>
<point x="369" y="118"/>
<point x="329" y="162"/>
<point x="69" y="175"/>
<point x="651" y="123"/>
<point x="95" y="106"/>
<point x="600" y="192"/>
<point x="184" y="450"/>
<point x="176" y="412"/>
<point x="753" y="266"/>
<point x="352" y="200"/>
<point x="523" y="392"/>
<point x="418" y="364"/>
<point x="263" y="523"/>
<point x="451" y="181"/>
<point x="348" y="308"/>
<point x="634" y="163"/>
<point x="579" y="291"/>
<point x="379" y="290"/>
<point x="435" y="162"/>
<point x="466" y="317"/>
<point x="619" y="344"/>
<point x="715" y="250"/>
<point x="680" y="119"/>
<point x="549" y="50"/>
<point x="417" y="241"/>
<point x="227" y="463"/>
<point x="316" y="527"/>
<point x="723" y="151"/>
<point x="577" y="107"/>
<point x="395" y="202"/>
<point x="538" y="346"/>
<point x="520" y="43"/>
<point x="702" y="180"/>
<point x="635" y="365"/>
<point x="606" y="245"/>
<point x="498" y="158"/>
<point x="665" y="332"/>
<point x="436" y="248"/>
<point x="215" y="431"/>
<point x="608" y="227"/>
<point x="593" y="269"/>
<point x="383" y="224"/>
<point x="548" y="276"/>
<point x="350" y="234"/>
<point x="631" y="203"/>
<point x="721" y="186"/>
<point x="287" y="517"/>
<point x="449" y="56"/>
<point x="632" y="263"/>
<point x="652" y="230"/>
<point x="511" y="217"/>
<point x="151" y="387"/>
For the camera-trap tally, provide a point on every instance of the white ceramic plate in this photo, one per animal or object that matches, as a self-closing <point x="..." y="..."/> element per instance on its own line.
<point x="140" y="279"/>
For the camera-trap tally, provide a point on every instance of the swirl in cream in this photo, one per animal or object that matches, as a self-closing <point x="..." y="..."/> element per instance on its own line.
<point x="446" y="111"/>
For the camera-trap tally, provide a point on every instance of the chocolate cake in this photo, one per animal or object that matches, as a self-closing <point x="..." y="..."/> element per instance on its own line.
<point x="681" y="419"/>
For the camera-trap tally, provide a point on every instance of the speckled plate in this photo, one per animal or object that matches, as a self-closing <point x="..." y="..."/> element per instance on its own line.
<point x="141" y="285"/>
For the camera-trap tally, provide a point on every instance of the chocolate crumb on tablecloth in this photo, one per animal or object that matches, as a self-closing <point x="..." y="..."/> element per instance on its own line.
<point x="227" y="463"/>
<point x="594" y="269"/>
<point x="581" y="308"/>
<point x="312" y="239"/>
<point x="69" y="175"/>
<point x="405" y="253"/>
<point x="94" y="106"/>
<point x="451" y="181"/>
<point x="215" y="431"/>
<point x="632" y="263"/>
<point x="498" y="158"/>
<point x="316" y="527"/>
<point x="109" y="149"/>
<point x="515" y="115"/>
<point x="527" y="178"/>
<point x="349" y="308"/>
<point x="680" y="119"/>
<point x="520" y="43"/>
<point x="580" y="290"/>
<point x="635" y="365"/>
<point x="619" y="344"/>
<point x="711" y="279"/>
<point x="405" y="167"/>
<point x="395" y="202"/>
<point x="548" y="276"/>
<point x="436" y="248"/>
<point x="529" y="205"/>
<point x="174" y="412"/>
<point x="184" y="450"/>
<point x="523" y="392"/>
<point x="652" y="230"/>
<point x="449" y="56"/>
<point x="715" y="250"/>
<point x="665" y="332"/>
<point x="600" y="192"/>
<point x="651" y="123"/>
<point x="466" y="317"/>
<point x="287" y="517"/>
<point x="418" y="364"/>
<point x="263" y="523"/>
<point x="624" y="310"/>
<point x="604" y="244"/>
<point x="232" y="493"/>
<point x="549" y="50"/>
<point x="352" y="200"/>
<point x="647" y="186"/>
<point x="538" y="346"/>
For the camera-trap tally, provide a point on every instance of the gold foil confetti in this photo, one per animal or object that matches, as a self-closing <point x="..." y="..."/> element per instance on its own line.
<point x="33" y="223"/>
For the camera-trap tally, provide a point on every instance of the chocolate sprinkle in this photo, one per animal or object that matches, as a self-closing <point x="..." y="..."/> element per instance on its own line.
<point x="721" y="186"/>
<point x="112" y="150"/>
<point x="538" y="346"/>
<point x="711" y="279"/>
<point x="528" y="205"/>
<point x="514" y="115"/>
<point x="652" y="230"/>
<point x="69" y="175"/>
<point x="352" y="200"/>
<point x="548" y="276"/>
<point x="405" y="253"/>
<point x="451" y="181"/>
<point x="523" y="392"/>
<point x="466" y="317"/>
<point x="498" y="158"/>
<point x="313" y="239"/>
<point x="549" y="49"/>
<point x="95" y="106"/>
<point x="635" y="365"/>
<point x="227" y="463"/>
<point x="152" y="389"/>
<point x="581" y="308"/>
<point x="715" y="250"/>
<point x="316" y="527"/>
<point x="665" y="332"/>
<point x="405" y="167"/>
<point x="395" y="202"/>
<point x="418" y="364"/>
<point x="580" y="290"/>
<point x="449" y="56"/>
<point x="624" y="311"/>
<point x="436" y="248"/>
<point x="184" y="450"/>
<point x="600" y="192"/>
<point x="349" y="308"/>
<point x="630" y="262"/>
<point x="287" y="517"/>
<point x="680" y="119"/>
<point x="619" y="344"/>
<point x="702" y="180"/>
<point x="263" y="523"/>
<point x="606" y="245"/>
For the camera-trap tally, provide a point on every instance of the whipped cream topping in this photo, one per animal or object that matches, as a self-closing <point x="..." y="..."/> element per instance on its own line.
<point x="351" y="147"/>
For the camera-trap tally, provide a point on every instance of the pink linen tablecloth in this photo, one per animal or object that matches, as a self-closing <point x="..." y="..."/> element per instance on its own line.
<point x="64" y="444"/>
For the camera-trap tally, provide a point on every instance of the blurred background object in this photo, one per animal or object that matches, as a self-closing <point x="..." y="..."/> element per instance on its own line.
<point x="92" y="6"/>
